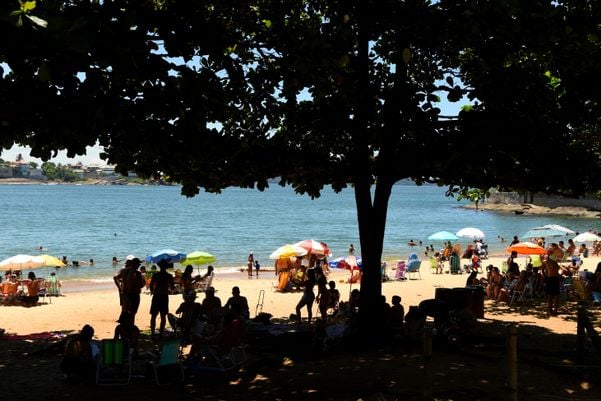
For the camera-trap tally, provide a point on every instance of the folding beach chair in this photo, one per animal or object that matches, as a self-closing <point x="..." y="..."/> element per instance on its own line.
<point x="167" y="367"/>
<point x="434" y="265"/>
<point x="114" y="363"/>
<point x="413" y="268"/>
<point x="228" y="355"/>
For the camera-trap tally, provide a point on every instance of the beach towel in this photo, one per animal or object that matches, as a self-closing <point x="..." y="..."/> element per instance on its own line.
<point x="283" y="281"/>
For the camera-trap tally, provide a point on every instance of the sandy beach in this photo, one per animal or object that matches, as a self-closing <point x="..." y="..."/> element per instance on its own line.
<point x="100" y="307"/>
<point x="280" y="369"/>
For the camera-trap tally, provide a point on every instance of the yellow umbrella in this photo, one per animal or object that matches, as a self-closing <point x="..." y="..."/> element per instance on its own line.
<point x="52" y="261"/>
<point x="287" y="251"/>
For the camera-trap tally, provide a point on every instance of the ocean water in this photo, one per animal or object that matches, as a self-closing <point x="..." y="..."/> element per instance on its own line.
<point x="86" y="222"/>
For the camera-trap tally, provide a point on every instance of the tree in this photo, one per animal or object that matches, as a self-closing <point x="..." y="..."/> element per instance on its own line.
<point x="49" y="170"/>
<point x="315" y="92"/>
<point x="472" y="194"/>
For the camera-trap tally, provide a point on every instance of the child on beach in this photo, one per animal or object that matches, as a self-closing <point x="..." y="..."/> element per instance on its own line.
<point x="257" y="267"/>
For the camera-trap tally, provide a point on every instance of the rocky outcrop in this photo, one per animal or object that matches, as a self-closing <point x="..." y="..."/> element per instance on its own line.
<point x="531" y="209"/>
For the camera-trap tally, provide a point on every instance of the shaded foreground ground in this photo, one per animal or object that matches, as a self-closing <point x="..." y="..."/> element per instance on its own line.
<point x="287" y="367"/>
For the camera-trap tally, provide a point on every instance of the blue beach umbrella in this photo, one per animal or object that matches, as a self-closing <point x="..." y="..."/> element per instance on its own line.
<point x="443" y="236"/>
<point x="542" y="232"/>
<point x="169" y="255"/>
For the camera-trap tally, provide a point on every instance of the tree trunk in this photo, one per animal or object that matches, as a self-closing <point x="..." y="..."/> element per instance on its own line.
<point x="372" y="224"/>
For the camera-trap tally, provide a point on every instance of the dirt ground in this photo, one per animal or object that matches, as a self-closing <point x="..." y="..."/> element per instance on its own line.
<point x="290" y="367"/>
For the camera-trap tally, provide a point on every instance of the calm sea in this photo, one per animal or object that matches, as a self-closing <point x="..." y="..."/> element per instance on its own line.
<point x="98" y="222"/>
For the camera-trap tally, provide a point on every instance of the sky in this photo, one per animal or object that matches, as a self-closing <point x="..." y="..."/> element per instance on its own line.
<point x="92" y="156"/>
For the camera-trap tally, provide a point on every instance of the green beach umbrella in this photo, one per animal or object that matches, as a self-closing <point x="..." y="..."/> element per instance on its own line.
<point x="198" y="258"/>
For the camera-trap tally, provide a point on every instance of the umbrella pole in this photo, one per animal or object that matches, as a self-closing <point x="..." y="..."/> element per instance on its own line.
<point x="350" y="287"/>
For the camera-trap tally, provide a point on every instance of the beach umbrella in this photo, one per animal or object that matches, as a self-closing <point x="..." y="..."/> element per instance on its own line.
<point x="443" y="236"/>
<point x="169" y="255"/>
<point x="542" y="232"/>
<point x="288" y="251"/>
<point x="559" y="228"/>
<point x="20" y="262"/>
<point x="350" y="262"/>
<point x="314" y="247"/>
<point x="527" y="248"/>
<point x="470" y="232"/>
<point x="198" y="258"/>
<point x="587" y="237"/>
<point x="52" y="261"/>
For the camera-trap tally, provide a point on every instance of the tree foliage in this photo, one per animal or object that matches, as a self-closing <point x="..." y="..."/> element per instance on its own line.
<point x="218" y="94"/>
<point x="59" y="172"/>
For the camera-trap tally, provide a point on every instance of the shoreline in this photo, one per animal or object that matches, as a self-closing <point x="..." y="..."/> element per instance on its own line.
<point x="98" y="304"/>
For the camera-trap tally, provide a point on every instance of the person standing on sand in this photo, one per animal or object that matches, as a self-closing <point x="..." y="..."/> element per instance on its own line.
<point x="323" y="295"/>
<point x="308" y="296"/>
<point x="552" y="285"/>
<point x="250" y="264"/>
<point x="161" y="285"/>
<point x="130" y="283"/>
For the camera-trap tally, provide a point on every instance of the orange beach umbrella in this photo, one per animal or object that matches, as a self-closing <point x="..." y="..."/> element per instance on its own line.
<point x="527" y="248"/>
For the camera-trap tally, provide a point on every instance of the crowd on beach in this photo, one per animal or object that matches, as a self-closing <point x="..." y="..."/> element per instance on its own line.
<point x="212" y="326"/>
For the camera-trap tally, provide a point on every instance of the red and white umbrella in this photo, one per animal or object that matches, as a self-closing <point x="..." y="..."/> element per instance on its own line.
<point x="350" y="262"/>
<point x="315" y="247"/>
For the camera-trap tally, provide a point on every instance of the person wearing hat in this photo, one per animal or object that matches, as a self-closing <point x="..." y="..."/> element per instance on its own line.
<point x="130" y="283"/>
<point x="161" y="285"/>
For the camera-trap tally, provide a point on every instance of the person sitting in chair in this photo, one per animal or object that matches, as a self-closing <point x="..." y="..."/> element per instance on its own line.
<point x="334" y="298"/>
<point x="127" y="331"/>
<point x="190" y="321"/>
<point x="78" y="360"/>
<point x="238" y="299"/>
<point x="33" y="288"/>
<point x="230" y="335"/>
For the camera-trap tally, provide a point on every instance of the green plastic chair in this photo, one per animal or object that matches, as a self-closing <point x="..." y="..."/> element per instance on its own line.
<point x="114" y="364"/>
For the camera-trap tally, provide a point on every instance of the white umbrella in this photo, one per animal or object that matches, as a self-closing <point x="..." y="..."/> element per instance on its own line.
<point x="470" y="232"/>
<point x="559" y="228"/>
<point x="587" y="237"/>
<point x="20" y="262"/>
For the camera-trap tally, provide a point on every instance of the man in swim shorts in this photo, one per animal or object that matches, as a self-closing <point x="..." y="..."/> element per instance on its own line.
<point x="552" y="286"/>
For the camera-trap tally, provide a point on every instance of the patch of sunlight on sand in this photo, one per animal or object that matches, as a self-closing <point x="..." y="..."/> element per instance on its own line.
<point x="260" y="378"/>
